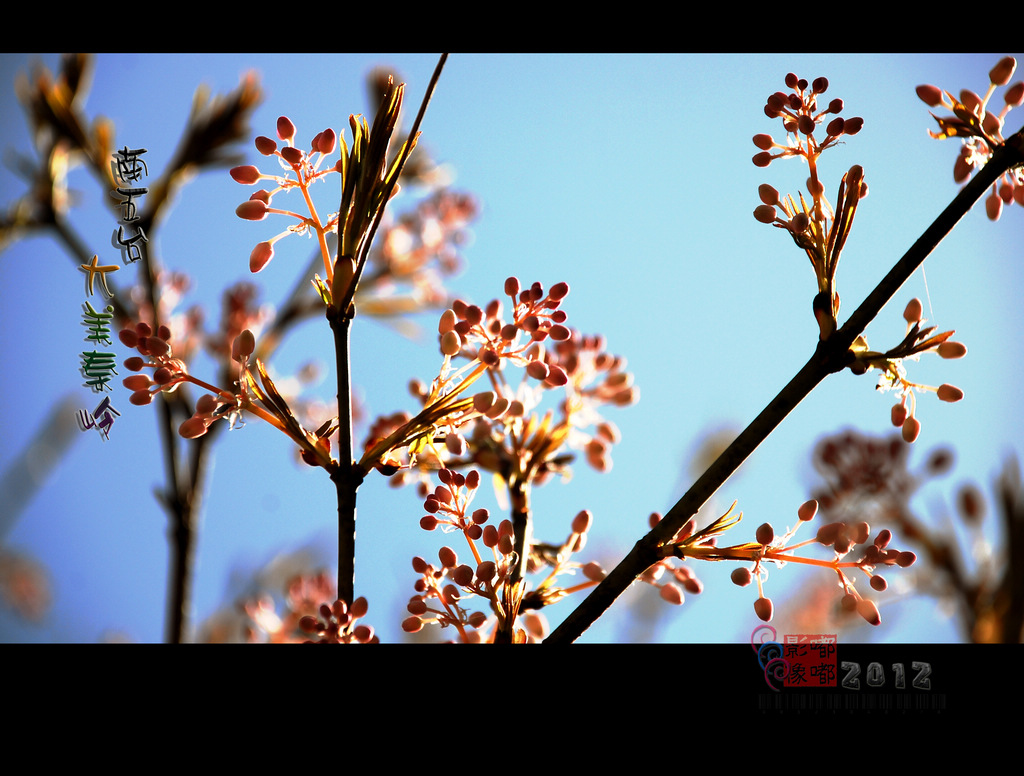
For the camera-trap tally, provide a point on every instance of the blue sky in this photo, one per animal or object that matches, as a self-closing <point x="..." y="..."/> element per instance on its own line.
<point x="629" y="177"/>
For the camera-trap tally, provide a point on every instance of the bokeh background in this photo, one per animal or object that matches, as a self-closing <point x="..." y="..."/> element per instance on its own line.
<point x="629" y="177"/>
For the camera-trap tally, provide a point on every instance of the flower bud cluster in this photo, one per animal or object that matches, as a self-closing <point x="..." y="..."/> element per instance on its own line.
<point x="448" y="505"/>
<point x="155" y="349"/>
<point x="816" y="227"/>
<point x="305" y="167"/>
<point x="597" y="378"/>
<point x="981" y="130"/>
<point x="891" y="365"/>
<point x="441" y="589"/>
<point x="485" y="334"/>
<point x="770" y="547"/>
<point x="336" y="624"/>
<point x="801" y="116"/>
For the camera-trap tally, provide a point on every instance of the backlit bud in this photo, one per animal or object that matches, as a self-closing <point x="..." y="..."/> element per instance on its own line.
<point x="853" y="126"/>
<point x="192" y="428"/>
<point x="260" y="257"/>
<point x="672" y="594"/>
<point x="326" y="141"/>
<point x="593" y="571"/>
<point x="741" y="576"/>
<point x="868" y="611"/>
<point x="483" y="401"/>
<point x="807" y="510"/>
<point x="1015" y="95"/>
<point x="556" y="375"/>
<point x="828" y="534"/>
<point x="285" y="128"/>
<point x="769" y="194"/>
<point x="993" y="207"/>
<point x="930" y="95"/>
<point x="559" y="333"/>
<point x="950" y="393"/>
<point x="1001" y="74"/>
<point x="447" y="557"/>
<point x="463" y="575"/>
<point x="447" y="322"/>
<point x="952" y="350"/>
<point x="911" y="428"/>
<point x="763" y="607"/>
<point x="899" y="415"/>
<point x="243" y="346"/>
<point x="558" y="291"/>
<point x="246" y="174"/>
<point x="265" y="145"/>
<point x="537" y="370"/>
<point x="157" y="346"/>
<point x="252" y="210"/>
<point x="905" y="559"/>
<point x="455" y="444"/>
<point x="292" y="155"/>
<point x="912" y="312"/>
<point x="582" y="522"/>
<point x="765" y="533"/>
<point x="451" y="343"/>
<point x="497" y="409"/>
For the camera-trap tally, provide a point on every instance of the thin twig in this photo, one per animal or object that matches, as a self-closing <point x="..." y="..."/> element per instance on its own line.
<point x="348" y="476"/>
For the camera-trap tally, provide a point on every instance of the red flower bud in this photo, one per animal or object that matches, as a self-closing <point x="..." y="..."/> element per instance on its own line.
<point x="265" y="145"/>
<point x="292" y="155"/>
<point x="252" y="210"/>
<point x="741" y="576"/>
<point x="246" y="174"/>
<point x="260" y="256"/>
<point x="868" y="611"/>
<point x="950" y="393"/>
<point x="930" y="95"/>
<point x="952" y="350"/>
<point x="326" y="141"/>
<point x="911" y="428"/>
<point x="807" y="510"/>
<point x="1001" y="74"/>
<point x="765" y="214"/>
<point x="899" y="415"/>
<point x="285" y="128"/>
<point x="243" y="346"/>
<point x="192" y="428"/>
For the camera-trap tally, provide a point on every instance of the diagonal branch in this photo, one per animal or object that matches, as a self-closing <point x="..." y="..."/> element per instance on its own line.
<point x="831" y="355"/>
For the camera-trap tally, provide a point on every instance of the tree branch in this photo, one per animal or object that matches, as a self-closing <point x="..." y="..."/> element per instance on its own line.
<point x="830" y="356"/>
